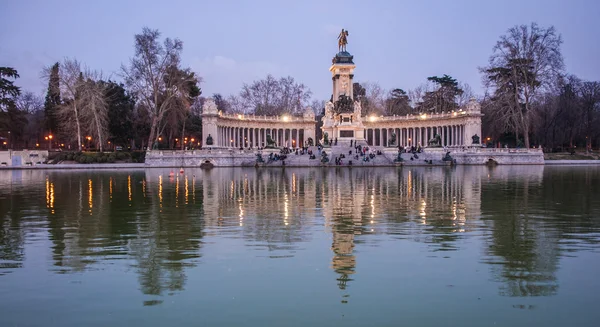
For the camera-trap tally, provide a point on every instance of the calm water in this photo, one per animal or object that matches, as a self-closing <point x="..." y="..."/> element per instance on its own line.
<point x="469" y="246"/>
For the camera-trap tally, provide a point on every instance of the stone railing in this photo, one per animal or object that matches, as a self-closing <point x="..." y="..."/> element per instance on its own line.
<point x="180" y="153"/>
<point x="418" y="117"/>
<point x="254" y="118"/>
<point x="496" y="150"/>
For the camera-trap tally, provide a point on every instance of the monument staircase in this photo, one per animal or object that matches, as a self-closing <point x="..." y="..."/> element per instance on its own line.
<point x="387" y="158"/>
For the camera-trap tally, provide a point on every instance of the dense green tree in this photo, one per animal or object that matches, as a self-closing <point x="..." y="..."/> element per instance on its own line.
<point x="52" y="100"/>
<point x="120" y="113"/>
<point x="10" y="118"/>
<point x="443" y="98"/>
<point x="397" y="103"/>
<point x="8" y="90"/>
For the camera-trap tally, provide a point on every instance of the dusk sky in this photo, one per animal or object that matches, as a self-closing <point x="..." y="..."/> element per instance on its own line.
<point x="396" y="43"/>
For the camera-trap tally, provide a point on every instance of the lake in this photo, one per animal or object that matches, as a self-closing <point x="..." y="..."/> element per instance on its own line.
<point x="412" y="246"/>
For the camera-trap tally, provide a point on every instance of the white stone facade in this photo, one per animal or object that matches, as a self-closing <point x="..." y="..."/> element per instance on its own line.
<point x="455" y="128"/>
<point x="250" y="131"/>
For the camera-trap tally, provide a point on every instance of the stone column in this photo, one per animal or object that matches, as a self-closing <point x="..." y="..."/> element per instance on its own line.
<point x="453" y="135"/>
<point x="443" y="135"/>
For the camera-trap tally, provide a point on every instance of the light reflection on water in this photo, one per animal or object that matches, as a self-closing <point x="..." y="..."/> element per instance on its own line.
<point x="508" y="245"/>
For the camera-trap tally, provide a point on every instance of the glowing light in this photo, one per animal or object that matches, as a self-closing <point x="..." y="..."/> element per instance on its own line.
<point x="50" y="195"/>
<point x="187" y="192"/>
<point x="159" y="138"/>
<point x="160" y="188"/>
<point x="37" y="144"/>
<point x="285" y="209"/>
<point x="129" y="188"/>
<point x="240" y="116"/>
<point x="90" y="197"/>
<point x="285" y="118"/>
<point x="424" y="116"/>
<point x="372" y="118"/>
<point x="192" y="139"/>
<point x="50" y="136"/>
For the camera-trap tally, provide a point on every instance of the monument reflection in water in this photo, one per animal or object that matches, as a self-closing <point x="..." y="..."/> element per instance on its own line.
<point x="409" y="225"/>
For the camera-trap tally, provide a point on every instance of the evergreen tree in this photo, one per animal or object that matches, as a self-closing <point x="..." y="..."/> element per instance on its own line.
<point x="444" y="97"/>
<point x="52" y="100"/>
<point x="120" y="113"/>
<point x="398" y="103"/>
<point x="8" y="91"/>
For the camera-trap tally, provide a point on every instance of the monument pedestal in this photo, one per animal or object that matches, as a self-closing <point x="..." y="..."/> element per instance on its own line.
<point x="342" y="120"/>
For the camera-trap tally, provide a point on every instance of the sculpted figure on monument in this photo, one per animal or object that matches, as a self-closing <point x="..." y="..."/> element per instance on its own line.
<point x="436" y="141"/>
<point x="475" y="139"/>
<point x="357" y="111"/>
<point x="270" y="142"/>
<point x="392" y="141"/>
<point x="209" y="107"/>
<point x="342" y="40"/>
<point x="344" y="104"/>
<point x="328" y="118"/>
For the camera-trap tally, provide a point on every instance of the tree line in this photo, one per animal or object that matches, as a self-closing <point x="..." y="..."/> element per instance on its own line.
<point x="529" y="99"/>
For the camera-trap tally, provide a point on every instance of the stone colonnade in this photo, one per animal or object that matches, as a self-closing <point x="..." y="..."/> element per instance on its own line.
<point x="454" y="129"/>
<point x="237" y="131"/>
<point x="451" y="135"/>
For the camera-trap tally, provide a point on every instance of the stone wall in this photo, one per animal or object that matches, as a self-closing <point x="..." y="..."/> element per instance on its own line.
<point x="23" y="158"/>
<point x="194" y="158"/>
<point x="224" y="157"/>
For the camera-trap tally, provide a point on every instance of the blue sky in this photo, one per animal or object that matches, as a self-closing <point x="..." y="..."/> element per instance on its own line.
<point x="394" y="43"/>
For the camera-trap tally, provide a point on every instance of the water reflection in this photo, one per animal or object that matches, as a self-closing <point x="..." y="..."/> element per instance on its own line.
<point x="155" y="222"/>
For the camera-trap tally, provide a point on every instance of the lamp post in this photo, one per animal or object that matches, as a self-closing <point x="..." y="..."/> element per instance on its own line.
<point x="89" y="139"/>
<point x="49" y="139"/>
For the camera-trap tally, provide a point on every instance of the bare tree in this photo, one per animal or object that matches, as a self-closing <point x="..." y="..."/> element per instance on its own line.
<point x="29" y="102"/>
<point x="70" y="80"/>
<point x="524" y="61"/>
<point x="94" y="107"/>
<point x="467" y="93"/>
<point x="372" y="98"/>
<point x="318" y="107"/>
<point x="150" y="76"/>
<point x="270" y="96"/>
<point x="237" y="105"/>
<point x="590" y="101"/>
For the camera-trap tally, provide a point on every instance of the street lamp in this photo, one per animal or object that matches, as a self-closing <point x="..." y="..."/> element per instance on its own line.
<point x="49" y="139"/>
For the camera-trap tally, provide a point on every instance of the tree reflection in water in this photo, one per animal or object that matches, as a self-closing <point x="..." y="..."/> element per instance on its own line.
<point x="525" y="217"/>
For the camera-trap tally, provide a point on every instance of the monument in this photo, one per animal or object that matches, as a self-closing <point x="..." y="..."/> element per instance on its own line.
<point x="342" y="119"/>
